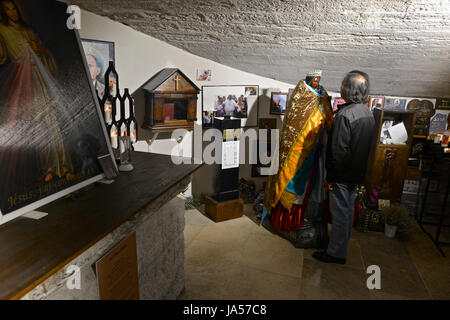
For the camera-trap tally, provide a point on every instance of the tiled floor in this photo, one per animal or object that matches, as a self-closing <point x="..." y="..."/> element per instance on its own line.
<point x="238" y="259"/>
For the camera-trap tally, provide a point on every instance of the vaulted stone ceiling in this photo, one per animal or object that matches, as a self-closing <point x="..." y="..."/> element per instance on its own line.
<point x="404" y="45"/>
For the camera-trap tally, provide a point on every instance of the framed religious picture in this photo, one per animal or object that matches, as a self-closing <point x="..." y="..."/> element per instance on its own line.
<point x="278" y="102"/>
<point x="376" y="102"/>
<point x="98" y="55"/>
<point x="235" y="101"/>
<point x="51" y="126"/>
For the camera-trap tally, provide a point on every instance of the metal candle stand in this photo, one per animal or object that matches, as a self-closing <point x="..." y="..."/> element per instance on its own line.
<point x="122" y="131"/>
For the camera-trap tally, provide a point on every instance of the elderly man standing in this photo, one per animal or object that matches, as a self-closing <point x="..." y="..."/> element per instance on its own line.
<point x="346" y="162"/>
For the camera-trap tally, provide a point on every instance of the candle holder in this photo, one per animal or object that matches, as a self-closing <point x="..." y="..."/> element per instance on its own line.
<point x="125" y="154"/>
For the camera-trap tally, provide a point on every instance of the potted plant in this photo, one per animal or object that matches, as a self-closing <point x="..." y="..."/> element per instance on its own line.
<point x="397" y="220"/>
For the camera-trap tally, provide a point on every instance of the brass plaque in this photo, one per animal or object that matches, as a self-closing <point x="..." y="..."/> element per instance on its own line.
<point x="117" y="272"/>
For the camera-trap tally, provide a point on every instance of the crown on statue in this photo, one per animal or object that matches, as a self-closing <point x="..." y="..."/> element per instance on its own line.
<point x="314" y="73"/>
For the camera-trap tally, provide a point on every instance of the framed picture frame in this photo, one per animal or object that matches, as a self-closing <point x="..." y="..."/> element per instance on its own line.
<point x="443" y="103"/>
<point x="278" y="103"/>
<point x="98" y="54"/>
<point x="58" y="125"/>
<point x="236" y="101"/>
<point x="376" y="102"/>
<point x="204" y="75"/>
<point x="395" y="103"/>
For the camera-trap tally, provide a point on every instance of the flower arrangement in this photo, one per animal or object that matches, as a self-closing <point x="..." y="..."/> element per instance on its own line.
<point x="397" y="215"/>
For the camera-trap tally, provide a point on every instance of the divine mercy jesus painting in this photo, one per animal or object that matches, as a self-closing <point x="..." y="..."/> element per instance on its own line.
<point x="50" y="128"/>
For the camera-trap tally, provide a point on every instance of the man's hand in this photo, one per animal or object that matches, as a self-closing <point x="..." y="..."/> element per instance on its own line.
<point x="327" y="186"/>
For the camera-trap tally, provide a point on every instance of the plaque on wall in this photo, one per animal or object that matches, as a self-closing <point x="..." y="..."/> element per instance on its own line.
<point x="117" y="272"/>
<point x="443" y="103"/>
<point x="51" y="126"/>
<point x="424" y="110"/>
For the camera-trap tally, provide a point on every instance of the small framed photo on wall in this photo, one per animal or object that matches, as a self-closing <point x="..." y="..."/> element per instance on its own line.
<point x="204" y="74"/>
<point x="376" y="102"/>
<point x="279" y="101"/>
<point x="98" y="55"/>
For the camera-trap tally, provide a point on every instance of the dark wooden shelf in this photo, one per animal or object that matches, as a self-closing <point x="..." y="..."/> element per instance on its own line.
<point x="31" y="251"/>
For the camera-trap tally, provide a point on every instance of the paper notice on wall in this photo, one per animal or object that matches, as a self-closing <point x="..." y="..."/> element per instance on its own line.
<point x="398" y="134"/>
<point x="230" y="154"/>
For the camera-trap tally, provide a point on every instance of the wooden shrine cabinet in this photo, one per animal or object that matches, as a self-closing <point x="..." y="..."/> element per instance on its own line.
<point x="388" y="163"/>
<point x="167" y="101"/>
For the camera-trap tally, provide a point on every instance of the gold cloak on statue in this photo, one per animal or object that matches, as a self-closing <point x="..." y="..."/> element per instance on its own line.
<point x="307" y="114"/>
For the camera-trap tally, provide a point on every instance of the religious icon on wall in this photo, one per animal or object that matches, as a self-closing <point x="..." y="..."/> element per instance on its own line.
<point x="278" y="103"/>
<point x="51" y="130"/>
<point x="98" y="54"/>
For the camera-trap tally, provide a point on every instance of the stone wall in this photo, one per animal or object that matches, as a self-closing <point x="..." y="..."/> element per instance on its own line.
<point x="160" y="248"/>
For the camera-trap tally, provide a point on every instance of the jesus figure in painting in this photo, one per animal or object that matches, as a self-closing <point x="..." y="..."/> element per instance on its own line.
<point x="28" y="72"/>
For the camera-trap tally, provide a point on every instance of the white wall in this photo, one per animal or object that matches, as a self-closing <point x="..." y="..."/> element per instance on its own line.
<point x="139" y="57"/>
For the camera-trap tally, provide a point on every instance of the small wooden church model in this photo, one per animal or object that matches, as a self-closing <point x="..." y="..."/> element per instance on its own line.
<point x="167" y="101"/>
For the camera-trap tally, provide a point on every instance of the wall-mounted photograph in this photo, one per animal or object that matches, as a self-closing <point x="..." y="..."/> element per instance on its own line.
<point x="98" y="55"/>
<point x="232" y="101"/>
<point x="278" y="103"/>
<point x="250" y="91"/>
<point x="395" y="104"/>
<point x="376" y="102"/>
<point x="204" y="75"/>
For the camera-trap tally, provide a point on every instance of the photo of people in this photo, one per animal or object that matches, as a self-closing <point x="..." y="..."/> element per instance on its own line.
<point x="278" y="103"/>
<point x="98" y="54"/>
<point x="203" y="75"/>
<point x="231" y="105"/>
<point x="208" y="118"/>
<point x="376" y="102"/>
<point x="250" y="91"/>
<point x="235" y="101"/>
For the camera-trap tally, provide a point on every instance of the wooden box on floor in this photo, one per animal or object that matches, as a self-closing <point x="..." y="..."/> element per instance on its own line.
<point x="221" y="211"/>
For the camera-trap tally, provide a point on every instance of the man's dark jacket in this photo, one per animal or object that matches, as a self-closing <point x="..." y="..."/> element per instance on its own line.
<point x="349" y="144"/>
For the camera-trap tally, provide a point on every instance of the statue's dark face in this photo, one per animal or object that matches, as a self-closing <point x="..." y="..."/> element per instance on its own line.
<point x="315" y="83"/>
